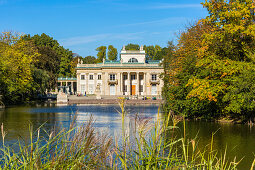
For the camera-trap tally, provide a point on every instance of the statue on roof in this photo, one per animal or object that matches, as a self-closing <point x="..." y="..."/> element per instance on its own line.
<point x="123" y="47"/>
<point x="141" y="48"/>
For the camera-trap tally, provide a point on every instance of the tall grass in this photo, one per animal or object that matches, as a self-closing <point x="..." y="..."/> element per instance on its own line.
<point x="153" y="146"/>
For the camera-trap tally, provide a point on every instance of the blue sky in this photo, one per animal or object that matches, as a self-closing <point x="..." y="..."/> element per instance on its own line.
<point x="82" y="26"/>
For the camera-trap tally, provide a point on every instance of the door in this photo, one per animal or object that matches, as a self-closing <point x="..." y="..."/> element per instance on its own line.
<point x="91" y="88"/>
<point x="154" y="89"/>
<point x="83" y="88"/>
<point x="112" y="89"/>
<point x="133" y="90"/>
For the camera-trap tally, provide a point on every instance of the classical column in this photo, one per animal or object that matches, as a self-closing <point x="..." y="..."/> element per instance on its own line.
<point x="145" y="83"/>
<point x="72" y="90"/>
<point x="106" y="84"/>
<point x="121" y="83"/>
<point x="118" y="84"/>
<point x="87" y="83"/>
<point x="148" y="89"/>
<point x="95" y="82"/>
<point x="103" y="84"/>
<point x="78" y="83"/>
<point x="137" y="83"/>
<point x="128" y="83"/>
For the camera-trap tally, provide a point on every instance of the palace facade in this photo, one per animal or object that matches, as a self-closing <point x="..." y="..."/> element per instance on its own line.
<point x="131" y="75"/>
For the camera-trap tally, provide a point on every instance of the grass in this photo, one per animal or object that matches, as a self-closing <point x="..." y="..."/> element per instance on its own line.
<point x="152" y="146"/>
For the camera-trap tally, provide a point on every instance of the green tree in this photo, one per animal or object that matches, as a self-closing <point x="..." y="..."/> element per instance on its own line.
<point x="74" y="64"/>
<point x="101" y="53"/>
<point x="213" y="70"/>
<point x="131" y="46"/>
<point x="16" y="59"/>
<point x="112" y="53"/>
<point x="150" y="52"/>
<point x="54" y="59"/>
<point x="89" y="60"/>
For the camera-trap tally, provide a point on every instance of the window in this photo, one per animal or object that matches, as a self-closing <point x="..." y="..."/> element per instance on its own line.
<point x="154" y="77"/>
<point x="133" y="60"/>
<point x="125" y="77"/>
<point x="82" y="77"/>
<point x="91" y="77"/>
<point x="125" y="88"/>
<point x="99" y="77"/>
<point x="133" y="77"/>
<point x="112" y="76"/>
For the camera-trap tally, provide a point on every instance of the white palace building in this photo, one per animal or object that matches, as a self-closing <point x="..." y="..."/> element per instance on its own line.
<point x="132" y="75"/>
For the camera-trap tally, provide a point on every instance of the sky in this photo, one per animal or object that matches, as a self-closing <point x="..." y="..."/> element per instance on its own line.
<point x="83" y="25"/>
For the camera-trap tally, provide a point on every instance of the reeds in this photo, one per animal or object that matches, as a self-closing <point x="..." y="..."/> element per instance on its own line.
<point x="153" y="146"/>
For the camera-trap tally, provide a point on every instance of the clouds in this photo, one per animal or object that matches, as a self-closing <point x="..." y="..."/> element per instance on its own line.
<point x="100" y="37"/>
<point x="171" y="20"/>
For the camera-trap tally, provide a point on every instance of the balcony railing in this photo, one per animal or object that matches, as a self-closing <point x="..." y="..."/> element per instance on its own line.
<point x="112" y="81"/>
<point x="154" y="81"/>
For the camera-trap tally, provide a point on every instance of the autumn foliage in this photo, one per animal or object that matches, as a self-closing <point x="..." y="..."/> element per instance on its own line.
<point x="213" y="68"/>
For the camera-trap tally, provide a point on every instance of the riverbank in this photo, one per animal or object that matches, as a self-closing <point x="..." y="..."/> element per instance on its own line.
<point x="93" y="100"/>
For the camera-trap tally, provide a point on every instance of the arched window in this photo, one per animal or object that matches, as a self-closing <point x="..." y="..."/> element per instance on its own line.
<point x="133" y="60"/>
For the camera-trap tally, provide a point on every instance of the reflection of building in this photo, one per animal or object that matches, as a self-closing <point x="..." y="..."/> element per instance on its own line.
<point x="132" y="75"/>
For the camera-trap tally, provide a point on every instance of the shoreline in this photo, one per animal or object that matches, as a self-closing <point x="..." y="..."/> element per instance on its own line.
<point x="113" y="101"/>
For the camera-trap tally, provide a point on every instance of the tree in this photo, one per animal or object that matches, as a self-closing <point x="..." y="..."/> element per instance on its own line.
<point x="74" y="64"/>
<point x="112" y="53"/>
<point x="131" y="46"/>
<point x="54" y="59"/>
<point x="153" y="52"/>
<point x="150" y="52"/>
<point x="161" y="54"/>
<point x="89" y="60"/>
<point x="213" y="70"/>
<point x="17" y="56"/>
<point x="101" y="54"/>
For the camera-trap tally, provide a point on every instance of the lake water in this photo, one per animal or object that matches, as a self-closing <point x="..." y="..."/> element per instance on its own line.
<point x="239" y="139"/>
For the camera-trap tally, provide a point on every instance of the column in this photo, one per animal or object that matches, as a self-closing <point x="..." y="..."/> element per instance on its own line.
<point x="144" y="84"/>
<point x="137" y="83"/>
<point x="95" y="82"/>
<point x="148" y="88"/>
<point x="128" y="83"/>
<point x="118" y="84"/>
<point x="121" y="84"/>
<point x="103" y="84"/>
<point x="106" y="91"/>
<point x="72" y="90"/>
<point x="78" y="83"/>
<point x="87" y="83"/>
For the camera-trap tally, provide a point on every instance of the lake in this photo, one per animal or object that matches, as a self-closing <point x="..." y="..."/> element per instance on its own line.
<point x="239" y="139"/>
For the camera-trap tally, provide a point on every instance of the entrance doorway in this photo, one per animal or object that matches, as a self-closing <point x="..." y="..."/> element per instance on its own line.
<point x="154" y="89"/>
<point x="112" y="89"/>
<point x="133" y="89"/>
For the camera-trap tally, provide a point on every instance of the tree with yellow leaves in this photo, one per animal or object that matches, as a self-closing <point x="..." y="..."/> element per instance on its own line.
<point x="216" y="74"/>
<point x="15" y="66"/>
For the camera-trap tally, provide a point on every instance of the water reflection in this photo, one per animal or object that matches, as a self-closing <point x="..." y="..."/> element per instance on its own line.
<point x="107" y="119"/>
<point x="239" y="139"/>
